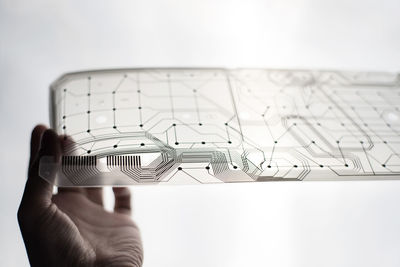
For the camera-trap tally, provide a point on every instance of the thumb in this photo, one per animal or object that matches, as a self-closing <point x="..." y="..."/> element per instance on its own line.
<point x="38" y="192"/>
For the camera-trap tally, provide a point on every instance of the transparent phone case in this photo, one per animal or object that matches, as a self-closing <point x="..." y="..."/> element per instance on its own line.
<point x="190" y="126"/>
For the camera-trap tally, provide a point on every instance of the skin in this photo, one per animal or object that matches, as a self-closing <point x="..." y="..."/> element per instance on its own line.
<point x="72" y="228"/>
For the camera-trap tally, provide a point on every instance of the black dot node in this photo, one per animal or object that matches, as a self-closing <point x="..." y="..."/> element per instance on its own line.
<point x="275" y="142"/>
<point x="313" y="142"/>
<point x="361" y="142"/>
<point x="64" y="117"/>
<point x="88" y="112"/>
<point x="295" y="166"/>
<point x="176" y="143"/>
<point x="229" y="142"/>
<point x="321" y="166"/>
<point x="337" y="142"/>
<point x="346" y="165"/>
<point x="200" y="124"/>
<point x="113" y="92"/>
<point x="207" y="167"/>
<point x="384" y="165"/>
<point x="89" y="151"/>
<point x="114" y="109"/>
<point x="174" y="124"/>
<point x="141" y="125"/>
<point x="65" y="90"/>
<point x="138" y="91"/>
<point x="64" y="127"/>
<point x="115" y="127"/>
<point x="88" y="131"/>
<point x="139" y="107"/>
<point x="203" y="142"/>
<point x="115" y="146"/>
<point x="269" y="166"/>
<point x="235" y="167"/>
<point x="142" y="144"/>
<point x="194" y="90"/>
<point x="294" y="124"/>
<point x="384" y="142"/>
<point x="88" y="94"/>
<point x="226" y="123"/>
<point x="179" y="168"/>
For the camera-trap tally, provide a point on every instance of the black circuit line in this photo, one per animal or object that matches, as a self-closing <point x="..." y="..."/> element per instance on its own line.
<point x="394" y="154"/>
<point x="227" y="133"/>
<point x="89" y="95"/>
<point x="139" y="99"/>
<point x="197" y="106"/>
<point x="191" y="176"/>
<point x="176" y="138"/>
<point x="272" y="153"/>
<point x="341" y="153"/>
<point x="269" y="129"/>
<point x="235" y="107"/>
<point x="64" y="111"/>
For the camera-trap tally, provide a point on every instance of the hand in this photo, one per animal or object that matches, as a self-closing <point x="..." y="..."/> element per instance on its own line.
<point x="72" y="228"/>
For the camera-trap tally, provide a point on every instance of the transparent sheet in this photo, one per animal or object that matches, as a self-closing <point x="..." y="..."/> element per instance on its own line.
<point x="190" y="126"/>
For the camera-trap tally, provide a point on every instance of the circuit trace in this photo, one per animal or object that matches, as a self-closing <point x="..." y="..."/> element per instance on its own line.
<point x="190" y="126"/>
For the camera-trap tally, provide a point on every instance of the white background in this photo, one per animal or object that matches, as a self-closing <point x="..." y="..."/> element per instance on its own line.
<point x="263" y="224"/>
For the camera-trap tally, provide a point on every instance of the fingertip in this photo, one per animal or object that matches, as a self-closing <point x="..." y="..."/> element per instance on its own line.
<point x="38" y="130"/>
<point x="36" y="137"/>
<point x="50" y="144"/>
